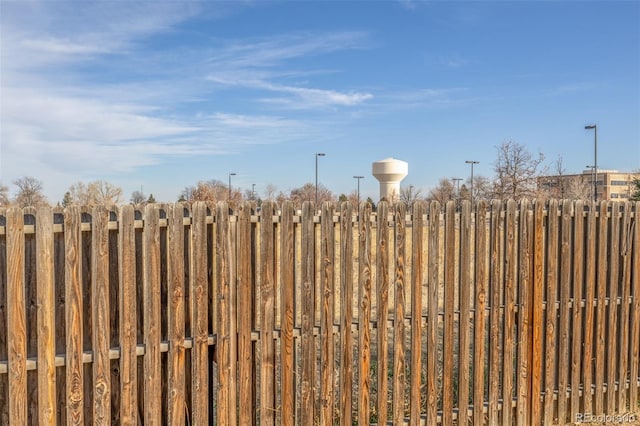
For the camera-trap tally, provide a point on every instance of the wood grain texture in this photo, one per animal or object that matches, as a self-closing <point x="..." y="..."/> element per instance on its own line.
<point x="634" y="353"/>
<point x="364" y="313"/>
<point x="100" y="316"/>
<point x="480" y="304"/>
<point x="626" y="233"/>
<point x="577" y="274"/>
<point x="327" y="343"/>
<point x="16" y="317"/>
<point x="612" y="344"/>
<point x="267" y="317"/>
<point x="537" y="321"/>
<point x="176" y="388"/>
<point x="601" y="308"/>
<point x="589" y="307"/>
<point x="308" y="353"/>
<point x="464" y="302"/>
<point x="510" y="265"/>
<point x="73" y="316"/>
<point x="246" y="408"/>
<point x="551" y="334"/>
<point x="382" y="306"/>
<point x="449" y="308"/>
<point x="565" y="294"/>
<point x="399" y="373"/>
<point x="128" y="313"/>
<point x="495" y="291"/>
<point x="417" y="279"/>
<point x="222" y="256"/>
<point x="47" y="403"/>
<point x="151" y="321"/>
<point x="287" y="312"/>
<point x="346" y="314"/>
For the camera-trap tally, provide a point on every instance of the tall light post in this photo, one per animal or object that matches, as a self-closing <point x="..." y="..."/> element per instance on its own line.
<point x="472" y="162"/>
<point x="595" y="159"/>
<point x="318" y="154"/>
<point x="358" y="177"/>
<point x="230" y="174"/>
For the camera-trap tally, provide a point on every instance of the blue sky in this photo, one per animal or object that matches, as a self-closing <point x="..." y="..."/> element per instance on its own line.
<point x="164" y="94"/>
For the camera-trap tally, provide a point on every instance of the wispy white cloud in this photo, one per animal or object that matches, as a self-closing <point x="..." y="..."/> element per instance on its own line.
<point x="568" y="88"/>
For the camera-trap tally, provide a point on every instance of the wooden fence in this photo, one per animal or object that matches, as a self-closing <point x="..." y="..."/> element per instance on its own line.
<point x="505" y="313"/>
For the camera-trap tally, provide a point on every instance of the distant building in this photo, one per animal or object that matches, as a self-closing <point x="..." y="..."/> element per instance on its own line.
<point x="610" y="185"/>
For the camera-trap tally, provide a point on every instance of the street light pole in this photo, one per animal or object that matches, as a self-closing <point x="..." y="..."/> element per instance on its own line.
<point x="358" y="177"/>
<point x="595" y="159"/>
<point x="318" y="154"/>
<point x="230" y="174"/>
<point x="253" y="191"/>
<point x="472" y="162"/>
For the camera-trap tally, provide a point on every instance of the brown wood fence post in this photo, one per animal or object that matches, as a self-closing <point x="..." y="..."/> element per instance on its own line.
<point x="364" y="312"/>
<point x="100" y="316"/>
<point x="287" y="300"/>
<point x="464" y="301"/>
<point x="417" y="278"/>
<point x="433" y="285"/>
<point x="576" y="326"/>
<point x="327" y="341"/>
<point x="537" y="322"/>
<point x="267" y="316"/>
<point x="565" y="294"/>
<point x="449" y="308"/>
<point x="399" y="376"/>
<point x="481" y="287"/>
<point x="510" y="274"/>
<point x="47" y="404"/>
<point x="346" y="313"/>
<point x="382" y="307"/>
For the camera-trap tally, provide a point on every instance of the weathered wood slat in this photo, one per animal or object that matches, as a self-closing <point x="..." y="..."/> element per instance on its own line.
<point x="524" y="300"/>
<point x="495" y="290"/>
<point x="382" y="307"/>
<point x="327" y="343"/>
<point x="464" y="302"/>
<point x="346" y="314"/>
<point x="16" y="317"/>
<point x="73" y="316"/>
<point x="510" y="273"/>
<point x="287" y="314"/>
<point x="47" y="404"/>
<point x="417" y="278"/>
<point x="128" y="313"/>
<point x="634" y="353"/>
<point x="399" y="375"/>
<point x="601" y="318"/>
<point x="364" y="312"/>
<point x="537" y="320"/>
<point x="100" y="316"/>
<point x="176" y="390"/>
<point x="267" y="316"/>
<point x="565" y="293"/>
<point x="307" y="384"/>
<point x="612" y="321"/>
<point x="246" y="407"/>
<point x="577" y="312"/>
<point x="551" y="285"/>
<point x="449" y="307"/>
<point x="589" y="307"/>
<point x="222" y="257"/>
<point x="625" y="280"/>
<point x="480" y="303"/>
<point x="151" y="322"/>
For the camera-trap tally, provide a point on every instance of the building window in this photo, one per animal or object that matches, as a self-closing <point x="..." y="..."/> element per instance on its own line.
<point x="619" y="182"/>
<point x="614" y="195"/>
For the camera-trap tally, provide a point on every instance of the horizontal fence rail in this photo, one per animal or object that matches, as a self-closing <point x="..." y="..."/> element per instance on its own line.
<point x="494" y="313"/>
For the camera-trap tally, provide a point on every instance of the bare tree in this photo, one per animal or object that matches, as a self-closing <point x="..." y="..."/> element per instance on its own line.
<point x="443" y="192"/>
<point x="137" y="197"/>
<point x="29" y="192"/>
<point x="270" y="192"/>
<point x="517" y="171"/>
<point x="4" y="195"/>
<point x="307" y="192"/>
<point x="409" y="195"/>
<point x="92" y="194"/>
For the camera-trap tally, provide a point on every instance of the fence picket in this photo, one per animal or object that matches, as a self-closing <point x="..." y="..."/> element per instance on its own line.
<point x="510" y="262"/>
<point x="495" y="287"/>
<point x="382" y="308"/>
<point x="327" y="266"/>
<point x="100" y="316"/>
<point x="612" y="321"/>
<point x="563" y="324"/>
<point x="287" y="300"/>
<point x="47" y="405"/>
<point x="449" y="307"/>
<point x="16" y="317"/>
<point x="537" y="316"/>
<point x="601" y="318"/>
<point x="634" y="353"/>
<point x="364" y="312"/>
<point x="346" y="313"/>
<point x="480" y="303"/>
<point x="577" y="274"/>
<point x="415" y="395"/>
<point x="589" y="307"/>
<point x="464" y="294"/>
<point x="524" y="300"/>
<point x="73" y="316"/>
<point x="267" y="316"/>
<point x="625" y="320"/>
<point x="398" y="315"/>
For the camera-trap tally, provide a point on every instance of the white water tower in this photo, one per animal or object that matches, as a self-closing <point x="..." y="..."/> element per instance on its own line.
<point x="390" y="173"/>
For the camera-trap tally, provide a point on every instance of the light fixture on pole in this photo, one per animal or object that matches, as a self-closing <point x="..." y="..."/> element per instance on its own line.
<point x="595" y="159"/>
<point x="457" y="182"/>
<point x="230" y="174"/>
<point x="318" y="154"/>
<point x="358" y="177"/>
<point x="472" y="162"/>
